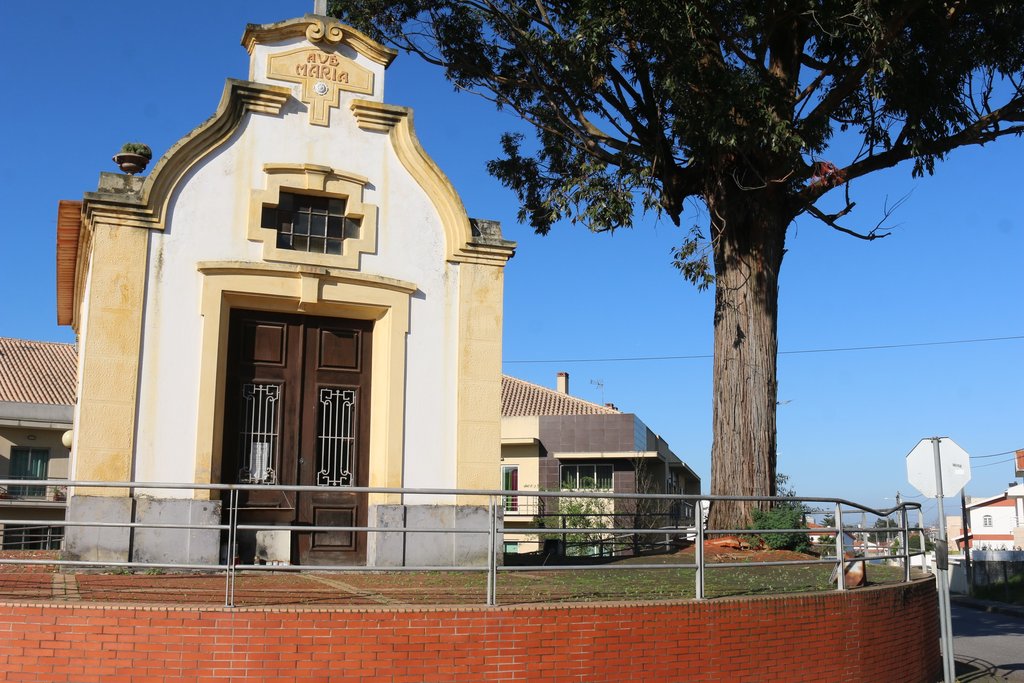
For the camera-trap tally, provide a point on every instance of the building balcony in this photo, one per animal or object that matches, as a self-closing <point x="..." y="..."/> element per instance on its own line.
<point x="523" y="506"/>
<point x="34" y="494"/>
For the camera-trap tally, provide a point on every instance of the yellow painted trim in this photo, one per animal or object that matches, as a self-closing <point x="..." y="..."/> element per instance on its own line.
<point x="519" y="441"/>
<point x="285" y="288"/>
<point x="147" y="208"/>
<point x="460" y="244"/>
<point x="142" y="202"/>
<point x="321" y="181"/>
<point x="478" y="420"/>
<point x="109" y="359"/>
<point x="317" y="29"/>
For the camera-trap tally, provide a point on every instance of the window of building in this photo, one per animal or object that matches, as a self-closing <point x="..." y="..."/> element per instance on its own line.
<point x="316" y="225"/>
<point x="25" y="537"/>
<point x="510" y="482"/>
<point x="986" y="520"/>
<point x="29" y="463"/>
<point x="511" y="547"/>
<point x="587" y="477"/>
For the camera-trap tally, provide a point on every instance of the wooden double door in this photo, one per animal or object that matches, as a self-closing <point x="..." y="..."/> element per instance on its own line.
<point x="297" y="412"/>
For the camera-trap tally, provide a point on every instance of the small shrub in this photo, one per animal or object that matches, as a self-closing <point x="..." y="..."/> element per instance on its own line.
<point x="577" y="513"/>
<point x="139" y="148"/>
<point x="782" y="517"/>
<point x="1012" y="591"/>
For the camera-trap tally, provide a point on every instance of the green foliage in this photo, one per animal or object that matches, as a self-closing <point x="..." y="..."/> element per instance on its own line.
<point x="883" y="537"/>
<point x="137" y="148"/>
<point x="645" y="103"/>
<point x="915" y="543"/>
<point x="738" y="107"/>
<point x="577" y="513"/>
<point x="782" y="517"/>
<point x="1011" y="591"/>
<point x="783" y="489"/>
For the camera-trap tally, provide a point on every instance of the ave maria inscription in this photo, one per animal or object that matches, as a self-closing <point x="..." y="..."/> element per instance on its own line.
<point x="322" y="75"/>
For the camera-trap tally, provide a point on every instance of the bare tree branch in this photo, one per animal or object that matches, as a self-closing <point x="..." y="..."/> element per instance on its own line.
<point x="831" y="219"/>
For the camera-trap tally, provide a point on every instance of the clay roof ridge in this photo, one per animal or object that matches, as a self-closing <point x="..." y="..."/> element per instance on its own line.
<point x="522" y="398"/>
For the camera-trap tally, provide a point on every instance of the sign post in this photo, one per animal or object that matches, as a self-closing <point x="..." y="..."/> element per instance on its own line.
<point x="937" y="467"/>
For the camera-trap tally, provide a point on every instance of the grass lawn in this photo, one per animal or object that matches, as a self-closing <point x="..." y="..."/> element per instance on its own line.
<point x="536" y="584"/>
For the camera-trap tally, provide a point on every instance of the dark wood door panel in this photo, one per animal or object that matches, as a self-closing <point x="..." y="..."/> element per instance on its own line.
<point x="263" y="395"/>
<point x="335" y="437"/>
<point x="297" y="412"/>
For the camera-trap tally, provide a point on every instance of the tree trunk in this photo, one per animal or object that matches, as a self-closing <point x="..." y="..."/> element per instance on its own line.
<point x="749" y="232"/>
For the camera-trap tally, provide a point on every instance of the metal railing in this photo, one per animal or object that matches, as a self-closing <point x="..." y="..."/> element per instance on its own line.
<point x="53" y="490"/>
<point x="618" y="531"/>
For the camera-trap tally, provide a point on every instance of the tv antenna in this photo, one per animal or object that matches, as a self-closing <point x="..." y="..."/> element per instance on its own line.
<point x="599" y="383"/>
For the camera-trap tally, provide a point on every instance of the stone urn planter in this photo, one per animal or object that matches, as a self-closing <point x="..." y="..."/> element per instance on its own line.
<point x="133" y="157"/>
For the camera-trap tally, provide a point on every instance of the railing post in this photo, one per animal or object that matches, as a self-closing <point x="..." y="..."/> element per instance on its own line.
<point x="924" y="542"/>
<point x="229" y="574"/>
<point x="905" y="532"/>
<point x="492" y="554"/>
<point x="840" y="555"/>
<point x="698" y="522"/>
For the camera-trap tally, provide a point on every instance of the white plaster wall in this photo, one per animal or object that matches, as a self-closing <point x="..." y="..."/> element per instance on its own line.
<point x="207" y="222"/>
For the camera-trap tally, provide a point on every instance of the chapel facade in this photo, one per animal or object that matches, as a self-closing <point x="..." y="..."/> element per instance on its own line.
<point x="294" y="295"/>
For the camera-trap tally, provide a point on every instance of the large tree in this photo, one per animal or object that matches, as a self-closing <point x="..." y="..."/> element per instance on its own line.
<point x="737" y="104"/>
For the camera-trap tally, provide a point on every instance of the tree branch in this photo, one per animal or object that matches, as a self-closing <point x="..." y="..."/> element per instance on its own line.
<point x="830" y="220"/>
<point x="853" y="76"/>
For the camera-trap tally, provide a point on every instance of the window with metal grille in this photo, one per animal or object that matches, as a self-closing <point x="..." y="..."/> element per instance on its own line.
<point x="336" y="443"/>
<point x="260" y="430"/>
<point x="26" y="537"/>
<point x="315" y="225"/>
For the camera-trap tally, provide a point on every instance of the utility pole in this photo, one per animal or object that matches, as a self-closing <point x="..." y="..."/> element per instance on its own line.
<point x="965" y="527"/>
<point x="942" y="570"/>
<point x="937" y="467"/>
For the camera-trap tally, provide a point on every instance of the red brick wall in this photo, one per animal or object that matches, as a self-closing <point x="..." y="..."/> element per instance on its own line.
<point x="873" y="634"/>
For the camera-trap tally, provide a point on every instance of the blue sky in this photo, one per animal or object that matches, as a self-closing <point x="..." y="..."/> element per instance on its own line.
<point x="78" y="81"/>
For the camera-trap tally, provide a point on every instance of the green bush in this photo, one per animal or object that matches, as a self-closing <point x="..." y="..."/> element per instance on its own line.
<point x="782" y="517"/>
<point x="1012" y="591"/>
<point x="577" y="513"/>
<point x="915" y="543"/>
<point x="137" y="148"/>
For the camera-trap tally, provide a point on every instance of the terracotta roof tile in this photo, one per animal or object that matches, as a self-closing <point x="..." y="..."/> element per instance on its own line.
<point x="37" y="372"/>
<point x="520" y="398"/>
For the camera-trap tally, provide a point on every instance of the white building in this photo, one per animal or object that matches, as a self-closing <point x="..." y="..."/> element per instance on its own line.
<point x="997" y="523"/>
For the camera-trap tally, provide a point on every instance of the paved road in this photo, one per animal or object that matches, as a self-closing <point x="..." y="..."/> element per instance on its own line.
<point x="989" y="647"/>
